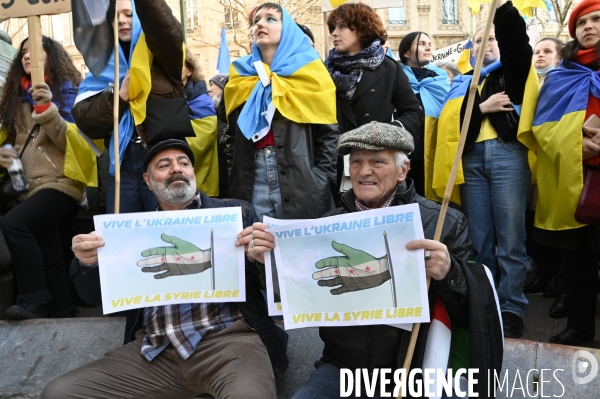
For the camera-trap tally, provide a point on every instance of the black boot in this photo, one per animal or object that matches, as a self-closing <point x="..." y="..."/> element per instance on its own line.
<point x="538" y="283"/>
<point x="26" y="311"/>
<point x="560" y="307"/>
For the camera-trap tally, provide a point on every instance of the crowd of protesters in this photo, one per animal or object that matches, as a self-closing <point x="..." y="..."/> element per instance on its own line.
<point x="532" y="147"/>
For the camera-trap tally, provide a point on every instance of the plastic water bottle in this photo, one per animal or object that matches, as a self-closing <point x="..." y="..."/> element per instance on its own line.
<point x="17" y="174"/>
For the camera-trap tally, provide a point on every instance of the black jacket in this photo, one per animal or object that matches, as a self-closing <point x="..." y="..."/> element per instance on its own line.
<point x="469" y="301"/>
<point x="306" y="162"/>
<point x="379" y="94"/>
<point x="516" y="57"/>
<point x="254" y="310"/>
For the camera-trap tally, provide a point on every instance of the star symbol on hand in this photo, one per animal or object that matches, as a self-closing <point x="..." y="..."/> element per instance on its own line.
<point x="163" y="259"/>
<point x="193" y="257"/>
<point x="336" y="271"/>
<point x="177" y="258"/>
<point x="368" y="268"/>
<point x="351" y="271"/>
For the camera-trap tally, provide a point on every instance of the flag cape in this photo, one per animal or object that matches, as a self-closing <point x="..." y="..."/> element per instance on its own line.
<point x="448" y="133"/>
<point x="204" y="146"/>
<point x="557" y="127"/>
<point x="297" y="84"/>
<point x="433" y="92"/>
<point x="80" y="159"/>
<point x="93" y="85"/>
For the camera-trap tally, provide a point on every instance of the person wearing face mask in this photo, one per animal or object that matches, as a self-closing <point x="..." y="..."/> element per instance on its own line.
<point x="370" y="86"/>
<point x="568" y="152"/>
<point x="494" y="183"/>
<point x="430" y="85"/>
<point x="280" y="109"/>
<point x="150" y="96"/>
<point x="546" y="56"/>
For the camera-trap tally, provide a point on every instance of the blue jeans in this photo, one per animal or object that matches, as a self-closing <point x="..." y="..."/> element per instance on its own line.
<point x="266" y="194"/>
<point x="494" y="199"/>
<point x="324" y="383"/>
<point x="135" y="194"/>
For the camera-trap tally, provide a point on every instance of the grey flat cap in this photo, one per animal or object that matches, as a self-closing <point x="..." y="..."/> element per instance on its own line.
<point x="376" y="136"/>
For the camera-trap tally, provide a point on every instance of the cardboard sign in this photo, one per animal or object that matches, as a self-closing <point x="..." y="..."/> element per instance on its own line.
<point x="26" y="8"/>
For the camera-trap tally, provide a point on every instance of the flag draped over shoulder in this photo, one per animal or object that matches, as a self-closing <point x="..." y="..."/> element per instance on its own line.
<point x="433" y="92"/>
<point x="297" y="84"/>
<point x="204" y="145"/>
<point x="93" y="85"/>
<point x="557" y="126"/>
<point x="448" y="133"/>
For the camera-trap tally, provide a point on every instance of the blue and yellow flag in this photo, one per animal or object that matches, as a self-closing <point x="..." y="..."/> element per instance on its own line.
<point x="204" y="146"/>
<point x="448" y="133"/>
<point x="433" y="92"/>
<point x="466" y="60"/>
<point x="297" y="84"/>
<point x="525" y="7"/>
<point x="557" y="127"/>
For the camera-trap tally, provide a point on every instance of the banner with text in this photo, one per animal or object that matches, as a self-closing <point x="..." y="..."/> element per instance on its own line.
<point x="352" y="269"/>
<point x="170" y="257"/>
<point x="22" y="8"/>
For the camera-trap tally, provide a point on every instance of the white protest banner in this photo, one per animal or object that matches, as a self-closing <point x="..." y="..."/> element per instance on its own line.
<point x="329" y="5"/>
<point x="25" y="8"/>
<point x="170" y="257"/>
<point x="352" y="269"/>
<point x="449" y="53"/>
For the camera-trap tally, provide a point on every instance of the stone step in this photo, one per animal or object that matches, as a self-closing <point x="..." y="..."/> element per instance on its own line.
<point x="35" y="351"/>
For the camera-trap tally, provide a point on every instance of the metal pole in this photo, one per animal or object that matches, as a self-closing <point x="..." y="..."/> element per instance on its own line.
<point x="183" y="19"/>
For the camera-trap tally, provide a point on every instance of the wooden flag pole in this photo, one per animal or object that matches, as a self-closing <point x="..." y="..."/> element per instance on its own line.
<point x="36" y="50"/>
<point x="454" y="171"/>
<point x="116" y="115"/>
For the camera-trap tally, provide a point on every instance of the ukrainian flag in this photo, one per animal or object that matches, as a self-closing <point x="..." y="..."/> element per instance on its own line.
<point x="466" y="60"/>
<point x="433" y="92"/>
<point x="557" y="126"/>
<point x="524" y="6"/>
<point x="448" y="133"/>
<point x="297" y="84"/>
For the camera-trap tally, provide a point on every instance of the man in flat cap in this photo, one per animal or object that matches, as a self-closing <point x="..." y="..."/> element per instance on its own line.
<point x="228" y="350"/>
<point x="378" y="167"/>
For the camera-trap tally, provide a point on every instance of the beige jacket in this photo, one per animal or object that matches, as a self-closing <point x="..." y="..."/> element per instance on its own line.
<point x="43" y="159"/>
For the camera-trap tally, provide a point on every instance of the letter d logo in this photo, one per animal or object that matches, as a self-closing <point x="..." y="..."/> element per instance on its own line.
<point x="581" y="367"/>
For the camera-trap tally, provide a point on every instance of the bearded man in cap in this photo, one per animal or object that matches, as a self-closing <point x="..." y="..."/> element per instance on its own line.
<point x="378" y="168"/>
<point x="228" y="350"/>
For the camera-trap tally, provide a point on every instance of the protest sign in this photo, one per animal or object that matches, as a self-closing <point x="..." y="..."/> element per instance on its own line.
<point x="352" y="269"/>
<point x="25" y="8"/>
<point x="170" y="257"/>
<point x="449" y="53"/>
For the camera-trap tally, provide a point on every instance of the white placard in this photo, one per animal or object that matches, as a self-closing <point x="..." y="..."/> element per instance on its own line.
<point x="352" y="269"/>
<point x="170" y="257"/>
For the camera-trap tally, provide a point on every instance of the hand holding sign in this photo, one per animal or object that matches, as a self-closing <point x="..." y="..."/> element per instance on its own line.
<point x="183" y="258"/>
<point x="355" y="271"/>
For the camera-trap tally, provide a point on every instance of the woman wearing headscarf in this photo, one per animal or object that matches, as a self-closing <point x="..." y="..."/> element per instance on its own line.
<point x="280" y="107"/>
<point x="39" y="120"/>
<point x="431" y="85"/>
<point x="370" y="86"/>
<point x="569" y="152"/>
<point x="494" y="180"/>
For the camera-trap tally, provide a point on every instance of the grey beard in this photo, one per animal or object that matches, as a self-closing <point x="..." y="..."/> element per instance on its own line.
<point x="216" y="100"/>
<point x="181" y="194"/>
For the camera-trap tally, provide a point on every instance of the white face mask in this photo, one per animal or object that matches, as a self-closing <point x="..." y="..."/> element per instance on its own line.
<point x="544" y="71"/>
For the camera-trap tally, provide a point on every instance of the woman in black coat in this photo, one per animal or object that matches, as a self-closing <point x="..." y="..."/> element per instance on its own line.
<point x="370" y="86"/>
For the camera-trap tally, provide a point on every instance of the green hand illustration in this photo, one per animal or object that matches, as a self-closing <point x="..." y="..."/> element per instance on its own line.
<point x="183" y="258"/>
<point x="355" y="271"/>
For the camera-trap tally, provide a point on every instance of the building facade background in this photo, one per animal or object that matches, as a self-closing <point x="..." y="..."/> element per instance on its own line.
<point x="446" y="21"/>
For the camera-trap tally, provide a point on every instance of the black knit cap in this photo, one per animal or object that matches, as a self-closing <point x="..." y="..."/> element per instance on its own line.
<point x="165" y="145"/>
<point x="307" y="32"/>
